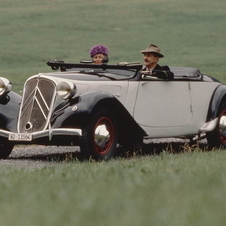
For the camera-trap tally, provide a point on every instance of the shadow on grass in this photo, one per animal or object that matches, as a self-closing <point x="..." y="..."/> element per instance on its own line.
<point x="149" y="149"/>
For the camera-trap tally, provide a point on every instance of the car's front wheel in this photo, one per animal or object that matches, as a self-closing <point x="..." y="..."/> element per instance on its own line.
<point x="217" y="137"/>
<point x="100" y="136"/>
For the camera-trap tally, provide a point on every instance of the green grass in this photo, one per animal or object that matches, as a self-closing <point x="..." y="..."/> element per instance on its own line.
<point x="183" y="189"/>
<point x="190" y="33"/>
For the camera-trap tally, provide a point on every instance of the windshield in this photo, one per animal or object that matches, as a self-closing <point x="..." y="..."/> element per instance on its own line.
<point x="123" y="71"/>
<point x="113" y="74"/>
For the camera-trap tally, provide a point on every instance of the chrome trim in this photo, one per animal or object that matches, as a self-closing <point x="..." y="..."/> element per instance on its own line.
<point x="5" y="86"/>
<point x="37" y="103"/>
<point x="102" y="136"/>
<point x="208" y="126"/>
<point x="28" y="126"/>
<point x="43" y="98"/>
<point x="74" y="108"/>
<point x="45" y="133"/>
<point x="222" y="126"/>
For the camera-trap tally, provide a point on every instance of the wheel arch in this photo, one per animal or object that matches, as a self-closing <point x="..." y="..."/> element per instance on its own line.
<point x="9" y="111"/>
<point x="130" y="133"/>
<point x="86" y="105"/>
<point x="218" y="98"/>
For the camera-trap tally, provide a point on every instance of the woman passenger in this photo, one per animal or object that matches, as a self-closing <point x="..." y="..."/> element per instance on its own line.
<point x="99" y="54"/>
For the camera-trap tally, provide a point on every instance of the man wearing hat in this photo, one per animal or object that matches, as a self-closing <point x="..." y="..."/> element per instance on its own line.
<point x="151" y="58"/>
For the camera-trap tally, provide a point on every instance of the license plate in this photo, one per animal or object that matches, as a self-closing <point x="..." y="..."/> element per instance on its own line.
<point x="20" y="136"/>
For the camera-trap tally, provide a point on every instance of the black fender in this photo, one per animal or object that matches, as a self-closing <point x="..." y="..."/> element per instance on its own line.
<point x="9" y="111"/>
<point x="78" y="112"/>
<point x="218" y="98"/>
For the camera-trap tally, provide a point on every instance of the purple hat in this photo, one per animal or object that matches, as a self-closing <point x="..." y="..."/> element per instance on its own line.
<point x="98" y="49"/>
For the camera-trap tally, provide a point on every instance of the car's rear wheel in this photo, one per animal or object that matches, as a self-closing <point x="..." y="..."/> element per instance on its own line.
<point x="5" y="149"/>
<point x="217" y="137"/>
<point x="100" y="136"/>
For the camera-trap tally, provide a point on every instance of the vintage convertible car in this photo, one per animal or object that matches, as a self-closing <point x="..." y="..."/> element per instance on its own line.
<point x="102" y="107"/>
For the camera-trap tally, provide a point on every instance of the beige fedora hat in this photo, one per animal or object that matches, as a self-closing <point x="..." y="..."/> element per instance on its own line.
<point x="153" y="49"/>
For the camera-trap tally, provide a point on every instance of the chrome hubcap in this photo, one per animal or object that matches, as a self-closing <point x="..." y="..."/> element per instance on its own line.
<point x="222" y="126"/>
<point x="103" y="135"/>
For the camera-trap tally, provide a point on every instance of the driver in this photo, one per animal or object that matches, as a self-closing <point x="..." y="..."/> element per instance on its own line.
<point x="151" y="58"/>
<point x="99" y="54"/>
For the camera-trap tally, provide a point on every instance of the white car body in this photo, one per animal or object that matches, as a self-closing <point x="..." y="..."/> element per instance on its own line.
<point x="161" y="108"/>
<point x="99" y="107"/>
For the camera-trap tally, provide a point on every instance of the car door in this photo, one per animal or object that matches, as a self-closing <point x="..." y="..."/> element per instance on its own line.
<point x="163" y="104"/>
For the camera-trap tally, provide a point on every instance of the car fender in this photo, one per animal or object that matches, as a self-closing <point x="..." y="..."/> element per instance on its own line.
<point x="80" y="110"/>
<point x="9" y="111"/>
<point x="218" y="98"/>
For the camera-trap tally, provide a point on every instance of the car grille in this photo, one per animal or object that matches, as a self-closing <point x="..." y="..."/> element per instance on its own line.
<point x="38" y="96"/>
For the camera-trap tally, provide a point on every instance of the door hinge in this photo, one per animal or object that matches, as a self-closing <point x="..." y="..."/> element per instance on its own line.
<point x="191" y="108"/>
<point x="189" y="85"/>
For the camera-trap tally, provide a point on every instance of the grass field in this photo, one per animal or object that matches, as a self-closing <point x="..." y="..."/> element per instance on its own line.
<point x="183" y="189"/>
<point x="190" y="33"/>
<point x="167" y="189"/>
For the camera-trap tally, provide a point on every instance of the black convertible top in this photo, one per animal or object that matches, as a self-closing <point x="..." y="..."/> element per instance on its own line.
<point x="186" y="72"/>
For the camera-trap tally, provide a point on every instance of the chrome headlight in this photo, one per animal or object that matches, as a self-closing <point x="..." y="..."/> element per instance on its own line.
<point x="5" y="86"/>
<point x="66" y="89"/>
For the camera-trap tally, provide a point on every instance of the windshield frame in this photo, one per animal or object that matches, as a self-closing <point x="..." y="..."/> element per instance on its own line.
<point x="113" y="72"/>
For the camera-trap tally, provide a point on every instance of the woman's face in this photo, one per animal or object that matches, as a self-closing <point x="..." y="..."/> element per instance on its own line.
<point x="97" y="59"/>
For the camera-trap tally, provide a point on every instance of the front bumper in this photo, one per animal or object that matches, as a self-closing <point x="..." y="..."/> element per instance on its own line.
<point x="47" y="133"/>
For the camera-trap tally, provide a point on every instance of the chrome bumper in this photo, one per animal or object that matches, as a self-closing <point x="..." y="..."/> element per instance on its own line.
<point x="48" y="133"/>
